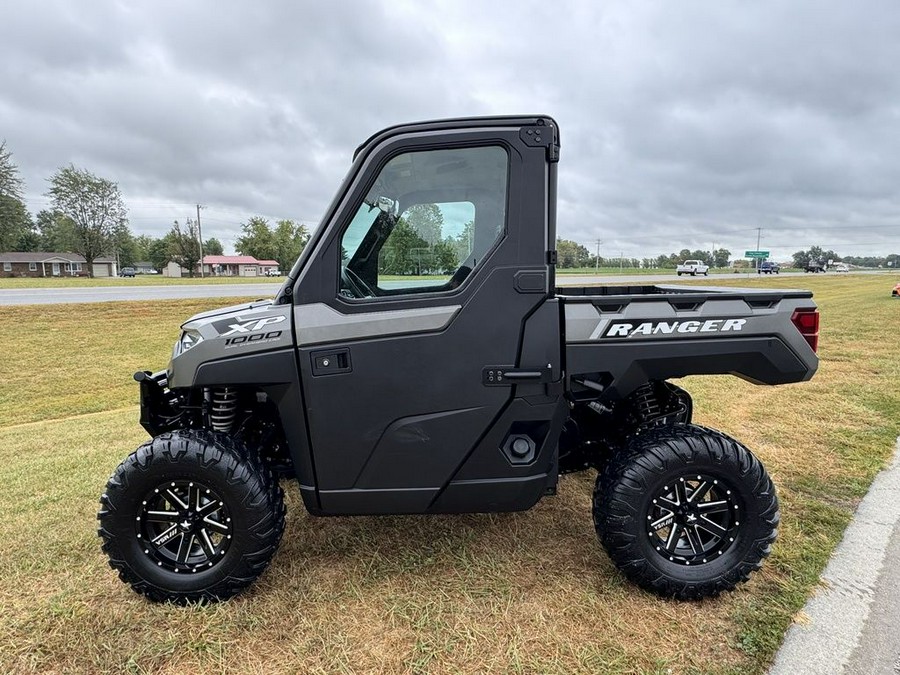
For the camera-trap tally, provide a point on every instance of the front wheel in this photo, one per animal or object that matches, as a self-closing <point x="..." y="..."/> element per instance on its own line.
<point x="686" y="512"/>
<point x="191" y="516"/>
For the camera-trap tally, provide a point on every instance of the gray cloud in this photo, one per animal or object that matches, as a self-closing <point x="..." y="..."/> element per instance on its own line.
<point x="683" y="124"/>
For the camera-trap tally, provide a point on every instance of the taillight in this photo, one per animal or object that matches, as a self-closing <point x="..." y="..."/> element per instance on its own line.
<point x="807" y="322"/>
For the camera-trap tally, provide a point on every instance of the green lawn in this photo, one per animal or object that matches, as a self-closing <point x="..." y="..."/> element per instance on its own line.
<point x="511" y="593"/>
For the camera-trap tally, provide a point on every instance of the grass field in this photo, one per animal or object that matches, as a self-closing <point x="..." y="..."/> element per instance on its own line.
<point x="522" y="593"/>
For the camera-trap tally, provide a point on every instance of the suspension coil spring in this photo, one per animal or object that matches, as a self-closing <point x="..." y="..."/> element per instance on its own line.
<point x="646" y="402"/>
<point x="222" y="409"/>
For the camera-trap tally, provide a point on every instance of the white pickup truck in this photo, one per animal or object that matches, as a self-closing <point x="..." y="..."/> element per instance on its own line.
<point x="693" y="267"/>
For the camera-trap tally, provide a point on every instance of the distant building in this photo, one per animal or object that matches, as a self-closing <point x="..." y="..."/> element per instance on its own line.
<point x="42" y="264"/>
<point x="144" y="267"/>
<point x="225" y="266"/>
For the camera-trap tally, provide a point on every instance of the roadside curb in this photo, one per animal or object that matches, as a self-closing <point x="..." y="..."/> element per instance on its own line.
<point x="837" y="615"/>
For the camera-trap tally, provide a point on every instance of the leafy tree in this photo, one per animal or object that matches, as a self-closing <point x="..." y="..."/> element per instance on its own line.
<point x="11" y="184"/>
<point x="444" y="258"/>
<point x="184" y="245"/>
<point x="258" y="240"/>
<point x="720" y="257"/>
<point x="125" y="246"/>
<point x="95" y="207"/>
<point x="29" y="241"/>
<point x="290" y="239"/>
<point x="426" y="220"/>
<point x="158" y="252"/>
<point x="571" y="254"/>
<point x="142" y="245"/>
<point x="402" y="252"/>
<point x="55" y="231"/>
<point x="15" y="223"/>
<point x="213" y="246"/>
<point x="464" y="242"/>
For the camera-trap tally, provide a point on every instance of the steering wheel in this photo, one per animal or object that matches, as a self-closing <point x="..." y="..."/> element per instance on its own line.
<point x="352" y="286"/>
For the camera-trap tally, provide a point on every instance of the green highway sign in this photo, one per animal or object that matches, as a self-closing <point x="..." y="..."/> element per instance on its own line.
<point x="756" y="254"/>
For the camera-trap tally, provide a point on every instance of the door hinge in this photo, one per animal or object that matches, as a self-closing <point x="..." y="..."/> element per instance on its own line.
<point x="542" y="134"/>
<point x="551" y="257"/>
<point x="553" y="153"/>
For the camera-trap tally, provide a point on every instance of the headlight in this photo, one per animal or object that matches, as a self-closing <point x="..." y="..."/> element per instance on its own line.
<point x="188" y="339"/>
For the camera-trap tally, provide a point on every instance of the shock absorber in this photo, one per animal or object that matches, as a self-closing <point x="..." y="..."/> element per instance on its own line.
<point x="222" y="409"/>
<point x="646" y="403"/>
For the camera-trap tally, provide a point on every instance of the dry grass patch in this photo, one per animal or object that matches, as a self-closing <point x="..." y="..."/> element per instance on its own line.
<point x="529" y="593"/>
<point x="62" y="360"/>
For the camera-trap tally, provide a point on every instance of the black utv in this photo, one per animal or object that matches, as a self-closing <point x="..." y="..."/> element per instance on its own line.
<point x="419" y="358"/>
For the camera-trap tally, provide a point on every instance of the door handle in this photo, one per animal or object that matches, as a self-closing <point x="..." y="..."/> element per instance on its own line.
<point x="331" y="361"/>
<point x="506" y="376"/>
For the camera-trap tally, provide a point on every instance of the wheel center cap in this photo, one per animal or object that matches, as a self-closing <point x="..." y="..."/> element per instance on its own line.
<point x="185" y="525"/>
<point x="691" y="518"/>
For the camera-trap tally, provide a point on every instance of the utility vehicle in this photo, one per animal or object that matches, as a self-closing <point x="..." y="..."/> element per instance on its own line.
<point x="384" y="390"/>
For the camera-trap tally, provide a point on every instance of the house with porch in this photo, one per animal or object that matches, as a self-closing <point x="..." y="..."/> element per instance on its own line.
<point x="42" y="264"/>
<point x="224" y="266"/>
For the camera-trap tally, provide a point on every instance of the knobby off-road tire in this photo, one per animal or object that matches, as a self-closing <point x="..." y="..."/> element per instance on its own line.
<point x="698" y="477"/>
<point x="191" y="516"/>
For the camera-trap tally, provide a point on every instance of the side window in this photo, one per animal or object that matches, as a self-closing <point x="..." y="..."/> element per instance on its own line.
<point x="429" y="220"/>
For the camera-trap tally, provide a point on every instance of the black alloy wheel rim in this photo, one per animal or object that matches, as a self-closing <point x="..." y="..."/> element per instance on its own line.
<point x="694" y="519"/>
<point x="183" y="526"/>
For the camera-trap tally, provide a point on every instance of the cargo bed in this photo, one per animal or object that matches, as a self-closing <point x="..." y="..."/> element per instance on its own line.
<point x="622" y="336"/>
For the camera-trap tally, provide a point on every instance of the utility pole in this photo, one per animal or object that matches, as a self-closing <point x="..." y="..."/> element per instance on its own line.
<point x="200" y="236"/>
<point x="758" y="237"/>
<point x="621" y="258"/>
<point x="597" y="262"/>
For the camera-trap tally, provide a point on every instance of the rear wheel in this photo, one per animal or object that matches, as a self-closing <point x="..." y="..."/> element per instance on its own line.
<point x="686" y="512"/>
<point x="191" y="516"/>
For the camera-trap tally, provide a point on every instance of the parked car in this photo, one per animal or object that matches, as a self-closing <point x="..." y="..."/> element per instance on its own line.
<point x="768" y="267"/>
<point x="842" y="267"/>
<point x="127" y="272"/>
<point x="273" y="273"/>
<point x="896" y="292"/>
<point x="692" y="267"/>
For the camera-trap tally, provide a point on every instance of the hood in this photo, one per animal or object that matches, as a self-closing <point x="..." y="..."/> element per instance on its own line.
<point x="222" y="311"/>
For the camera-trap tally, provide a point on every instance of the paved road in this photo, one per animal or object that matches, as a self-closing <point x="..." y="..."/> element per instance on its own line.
<point x="852" y="624"/>
<point x="46" y="296"/>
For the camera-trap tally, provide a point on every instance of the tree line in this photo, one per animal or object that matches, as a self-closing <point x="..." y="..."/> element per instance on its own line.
<point x="571" y="254"/>
<point x="88" y="216"/>
<point x="819" y="255"/>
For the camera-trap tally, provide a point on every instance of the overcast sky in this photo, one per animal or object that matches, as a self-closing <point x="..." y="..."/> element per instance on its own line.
<point x="683" y="123"/>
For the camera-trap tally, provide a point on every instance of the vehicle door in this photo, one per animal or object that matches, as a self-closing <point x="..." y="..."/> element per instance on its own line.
<point x="414" y="307"/>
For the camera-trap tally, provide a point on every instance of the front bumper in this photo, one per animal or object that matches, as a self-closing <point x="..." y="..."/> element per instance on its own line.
<point x="160" y="407"/>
